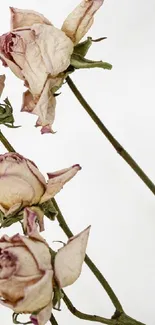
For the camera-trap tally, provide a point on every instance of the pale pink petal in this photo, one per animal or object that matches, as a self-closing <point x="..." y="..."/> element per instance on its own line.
<point x="12" y="194"/>
<point x="43" y="316"/>
<point x="57" y="180"/>
<point x="37" y="295"/>
<point x="30" y="224"/>
<point x="21" y="18"/>
<point x="80" y="19"/>
<point x="34" y="69"/>
<point x="69" y="259"/>
<point x="35" y="171"/>
<point x="40" y="251"/>
<point x="13" y="209"/>
<point x="2" y="83"/>
<point x="44" y="108"/>
<point x="56" y="48"/>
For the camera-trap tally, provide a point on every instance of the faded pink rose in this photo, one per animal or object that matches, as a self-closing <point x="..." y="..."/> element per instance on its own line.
<point x="27" y="273"/>
<point x="22" y="184"/>
<point x="38" y="53"/>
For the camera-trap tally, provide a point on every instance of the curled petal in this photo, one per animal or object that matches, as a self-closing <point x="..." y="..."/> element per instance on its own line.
<point x="43" y="107"/>
<point x="21" y="18"/>
<point x="69" y="259"/>
<point x="57" y="180"/>
<point x="80" y="19"/>
<point x="43" y="316"/>
<point x="30" y="222"/>
<point x="2" y="83"/>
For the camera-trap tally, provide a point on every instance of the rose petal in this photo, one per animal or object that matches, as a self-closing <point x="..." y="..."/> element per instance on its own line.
<point x="57" y="180"/>
<point x="34" y="69"/>
<point x="40" y="251"/>
<point x="12" y="194"/>
<point x="44" y="108"/>
<point x="30" y="225"/>
<point x="12" y="289"/>
<point x="21" y="18"/>
<point x="2" y="83"/>
<point x="56" y="48"/>
<point x="69" y="259"/>
<point x="80" y="19"/>
<point x="43" y="316"/>
<point x="33" y="297"/>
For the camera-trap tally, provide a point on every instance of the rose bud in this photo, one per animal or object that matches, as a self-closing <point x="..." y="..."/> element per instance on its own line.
<point x="27" y="272"/>
<point x="22" y="184"/>
<point x="39" y="53"/>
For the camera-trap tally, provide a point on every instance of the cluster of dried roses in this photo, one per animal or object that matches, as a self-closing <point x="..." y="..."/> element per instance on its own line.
<point x="30" y="272"/>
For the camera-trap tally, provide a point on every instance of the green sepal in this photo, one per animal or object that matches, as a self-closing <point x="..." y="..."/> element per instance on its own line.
<point x="49" y="209"/>
<point x="83" y="47"/>
<point x="15" y="321"/>
<point x="57" y="296"/>
<point x="10" y="220"/>
<point x="79" y="62"/>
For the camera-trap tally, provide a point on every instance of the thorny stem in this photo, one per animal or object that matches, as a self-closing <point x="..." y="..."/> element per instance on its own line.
<point x="120" y="150"/>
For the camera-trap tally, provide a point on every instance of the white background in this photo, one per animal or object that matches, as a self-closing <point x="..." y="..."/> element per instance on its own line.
<point x="106" y="194"/>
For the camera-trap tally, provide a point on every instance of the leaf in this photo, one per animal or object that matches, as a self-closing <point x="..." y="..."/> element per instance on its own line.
<point x="79" y="62"/>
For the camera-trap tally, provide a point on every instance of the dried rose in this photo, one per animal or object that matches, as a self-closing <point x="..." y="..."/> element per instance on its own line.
<point x="27" y="272"/>
<point x="22" y="184"/>
<point x="39" y="53"/>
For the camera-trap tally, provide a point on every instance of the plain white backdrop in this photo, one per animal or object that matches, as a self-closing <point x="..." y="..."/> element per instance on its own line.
<point x="106" y="193"/>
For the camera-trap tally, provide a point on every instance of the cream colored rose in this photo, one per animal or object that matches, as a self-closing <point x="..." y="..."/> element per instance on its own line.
<point x="38" y="53"/>
<point x="22" y="184"/>
<point x="27" y="274"/>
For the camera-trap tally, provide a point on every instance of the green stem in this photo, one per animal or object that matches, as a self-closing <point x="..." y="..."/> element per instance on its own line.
<point x="117" y="319"/>
<point x="6" y="143"/>
<point x="89" y="262"/>
<point x="53" y="320"/>
<point x="120" y="150"/>
<point x="79" y="314"/>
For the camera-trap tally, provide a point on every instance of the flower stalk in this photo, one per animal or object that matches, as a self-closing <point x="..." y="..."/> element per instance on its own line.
<point x="117" y="146"/>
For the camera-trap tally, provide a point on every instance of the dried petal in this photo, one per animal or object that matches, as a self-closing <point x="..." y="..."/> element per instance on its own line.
<point x="57" y="180"/>
<point x="43" y="316"/>
<point x="80" y="19"/>
<point x="55" y="47"/>
<point x="21" y="18"/>
<point x="69" y="259"/>
<point x="30" y="223"/>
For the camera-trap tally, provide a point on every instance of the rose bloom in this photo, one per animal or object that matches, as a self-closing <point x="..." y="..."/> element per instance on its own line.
<point x="27" y="273"/>
<point x="22" y="184"/>
<point x="39" y="53"/>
